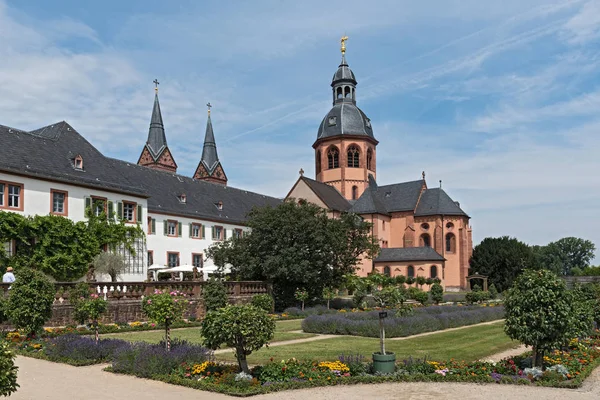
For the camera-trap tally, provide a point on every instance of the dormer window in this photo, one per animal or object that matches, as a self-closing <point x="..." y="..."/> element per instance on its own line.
<point x="219" y="205"/>
<point x="368" y="123"/>
<point x="78" y="162"/>
<point x="182" y="198"/>
<point x="332" y="121"/>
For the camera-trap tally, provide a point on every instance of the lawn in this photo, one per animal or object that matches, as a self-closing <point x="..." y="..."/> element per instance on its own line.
<point x="282" y="332"/>
<point x="464" y="344"/>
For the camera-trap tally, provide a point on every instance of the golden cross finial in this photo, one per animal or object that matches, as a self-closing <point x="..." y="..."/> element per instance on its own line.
<point x="301" y="172"/>
<point x="343" y="41"/>
<point x="209" y="107"/>
<point x="156" y="83"/>
<point x="423" y="173"/>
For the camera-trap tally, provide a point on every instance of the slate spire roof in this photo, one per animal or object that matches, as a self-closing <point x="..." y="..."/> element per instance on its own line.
<point x="210" y="159"/>
<point x="157" y="140"/>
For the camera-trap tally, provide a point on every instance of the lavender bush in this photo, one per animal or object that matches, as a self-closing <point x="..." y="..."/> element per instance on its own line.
<point x="81" y="350"/>
<point x="426" y="319"/>
<point x="147" y="360"/>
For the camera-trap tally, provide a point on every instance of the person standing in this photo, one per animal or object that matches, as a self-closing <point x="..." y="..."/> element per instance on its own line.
<point x="8" y="277"/>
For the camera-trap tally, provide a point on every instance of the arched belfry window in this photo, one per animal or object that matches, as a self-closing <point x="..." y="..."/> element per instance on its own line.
<point x="333" y="158"/>
<point x="450" y="243"/>
<point x="353" y="157"/>
<point x="425" y="240"/>
<point x="433" y="272"/>
<point x="347" y="92"/>
<point x="354" y="192"/>
<point x="410" y="271"/>
<point x="339" y="93"/>
<point x="318" y="161"/>
<point x="369" y="159"/>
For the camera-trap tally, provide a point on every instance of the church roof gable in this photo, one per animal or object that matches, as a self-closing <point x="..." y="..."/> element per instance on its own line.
<point x="408" y="254"/>
<point x="328" y="194"/>
<point x="437" y="202"/>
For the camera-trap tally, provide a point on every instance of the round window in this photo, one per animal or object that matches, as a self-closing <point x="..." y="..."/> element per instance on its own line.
<point x="425" y="226"/>
<point x="449" y="225"/>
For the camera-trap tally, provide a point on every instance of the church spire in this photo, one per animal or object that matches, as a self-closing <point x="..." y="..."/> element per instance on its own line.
<point x="156" y="152"/>
<point x="209" y="168"/>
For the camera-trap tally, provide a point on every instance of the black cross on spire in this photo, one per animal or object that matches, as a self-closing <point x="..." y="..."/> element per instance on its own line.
<point x="209" y="107"/>
<point x="156" y="83"/>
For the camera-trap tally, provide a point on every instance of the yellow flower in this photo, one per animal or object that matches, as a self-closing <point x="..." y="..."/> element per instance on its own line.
<point x="334" y="366"/>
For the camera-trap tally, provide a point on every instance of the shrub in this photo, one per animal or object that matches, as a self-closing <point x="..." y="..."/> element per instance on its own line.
<point x="420" y="296"/>
<point x="8" y="371"/>
<point x="80" y="292"/>
<point x="437" y="293"/>
<point x="148" y="360"/>
<point x="30" y="301"/>
<point x="246" y="328"/>
<point x="390" y="296"/>
<point x="493" y="291"/>
<point x="214" y="294"/>
<point x="263" y="301"/>
<point x="165" y="309"/>
<point x="82" y="350"/>
<point x="91" y="309"/>
<point x="3" y="316"/>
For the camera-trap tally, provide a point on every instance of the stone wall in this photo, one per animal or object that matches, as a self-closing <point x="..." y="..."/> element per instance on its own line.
<point x="125" y="299"/>
<point x="572" y="280"/>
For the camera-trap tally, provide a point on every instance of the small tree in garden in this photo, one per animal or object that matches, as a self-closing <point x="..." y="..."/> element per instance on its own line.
<point x="328" y="295"/>
<point x="165" y="308"/>
<point x="420" y="281"/>
<point x="301" y="295"/>
<point x="92" y="308"/>
<point x="389" y="297"/>
<point x="110" y="264"/>
<point x="245" y="328"/>
<point x="214" y="294"/>
<point x="538" y="312"/>
<point x="437" y="293"/>
<point x="421" y="297"/>
<point x="30" y="301"/>
<point x="263" y="301"/>
<point x="8" y="371"/>
<point x="493" y="291"/>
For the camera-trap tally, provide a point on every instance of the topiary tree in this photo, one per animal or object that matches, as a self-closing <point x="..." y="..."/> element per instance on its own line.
<point x="301" y="295"/>
<point x="420" y="281"/>
<point x="328" y="295"/>
<point x="80" y="292"/>
<point x="263" y="301"/>
<point x="421" y="297"/>
<point x="165" y="308"/>
<point x="8" y="371"/>
<point x="110" y="264"/>
<point x="214" y="294"/>
<point x="245" y="328"/>
<point x="437" y="293"/>
<point x="539" y="312"/>
<point x="91" y="309"/>
<point x="30" y="301"/>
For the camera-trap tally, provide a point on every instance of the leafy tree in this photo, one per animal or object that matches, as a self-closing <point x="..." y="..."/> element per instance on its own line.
<point x="328" y="295"/>
<point x="30" y="301"/>
<point x="421" y="296"/>
<point x="566" y="254"/>
<point x="390" y="296"/>
<point x="8" y="371"/>
<point x="539" y="312"/>
<point x="296" y="245"/>
<point x="245" y="328"/>
<point x="587" y="271"/>
<point x="502" y="260"/>
<point x="437" y="293"/>
<point x="165" y="308"/>
<point x="80" y="292"/>
<point x="214" y="295"/>
<point x="583" y="304"/>
<point x="263" y="301"/>
<point x="110" y="264"/>
<point x="493" y="291"/>
<point x="92" y="308"/>
<point x="301" y="295"/>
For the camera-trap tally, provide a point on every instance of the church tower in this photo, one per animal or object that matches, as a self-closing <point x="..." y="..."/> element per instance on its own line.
<point x="345" y="147"/>
<point x="156" y="153"/>
<point x="210" y="168"/>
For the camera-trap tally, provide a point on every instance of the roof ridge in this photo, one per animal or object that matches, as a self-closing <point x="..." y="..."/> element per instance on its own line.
<point x="399" y="183"/>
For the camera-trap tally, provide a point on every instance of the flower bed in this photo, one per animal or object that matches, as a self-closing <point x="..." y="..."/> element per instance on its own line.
<point x="114" y="328"/>
<point x="398" y="324"/>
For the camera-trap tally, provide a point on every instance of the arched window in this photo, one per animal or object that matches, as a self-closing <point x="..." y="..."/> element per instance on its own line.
<point x="318" y="161"/>
<point x="410" y="271"/>
<point x="339" y="93"/>
<point x="353" y="157"/>
<point x="433" y="272"/>
<point x="347" y="92"/>
<point x="425" y="240"/>
<point x="354" y="192"/>
<point x="333" y="158"/>
<point x="450" y="243"/>
<point x="369" y="159"/>
<point x="386" y="271"/>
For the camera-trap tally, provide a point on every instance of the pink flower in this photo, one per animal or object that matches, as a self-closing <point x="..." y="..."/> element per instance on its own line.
<point x="149" y="301"/>
<point x="175" y="300"/>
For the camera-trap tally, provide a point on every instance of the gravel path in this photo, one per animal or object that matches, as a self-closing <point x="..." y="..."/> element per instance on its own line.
<point x="43" y="380"/>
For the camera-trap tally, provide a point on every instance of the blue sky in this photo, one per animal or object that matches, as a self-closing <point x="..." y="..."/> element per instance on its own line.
<point x="500" y="100"/>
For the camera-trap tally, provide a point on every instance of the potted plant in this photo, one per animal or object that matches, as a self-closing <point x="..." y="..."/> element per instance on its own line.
<point x="384" y="362"/>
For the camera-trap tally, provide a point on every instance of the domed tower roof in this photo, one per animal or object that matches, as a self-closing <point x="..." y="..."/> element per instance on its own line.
<point x="345" y="118"/>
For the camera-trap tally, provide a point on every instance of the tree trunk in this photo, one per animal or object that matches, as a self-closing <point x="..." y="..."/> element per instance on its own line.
<point x="302" y="305"/>
<point x="537" y="357"/>
<point x="242" y="362"/>
<point x="328" y="304"/>
<point x="96" y="331"/>
<point x="167" y="335"/>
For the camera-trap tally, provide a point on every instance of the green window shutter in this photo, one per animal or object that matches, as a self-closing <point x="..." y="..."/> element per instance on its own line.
<point x="166" y="226"/>
<point x="224" y="233"/>
<point x="139" y="213"/>
<point x="190" y="224"/>
<point x="120" y="210"/>
<point x="111" y="209"/>
<point x="179" y="229"/>
<point x="88" y="205"/>
<point x="153" y="229"/>
<point x="203" y="232"/>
